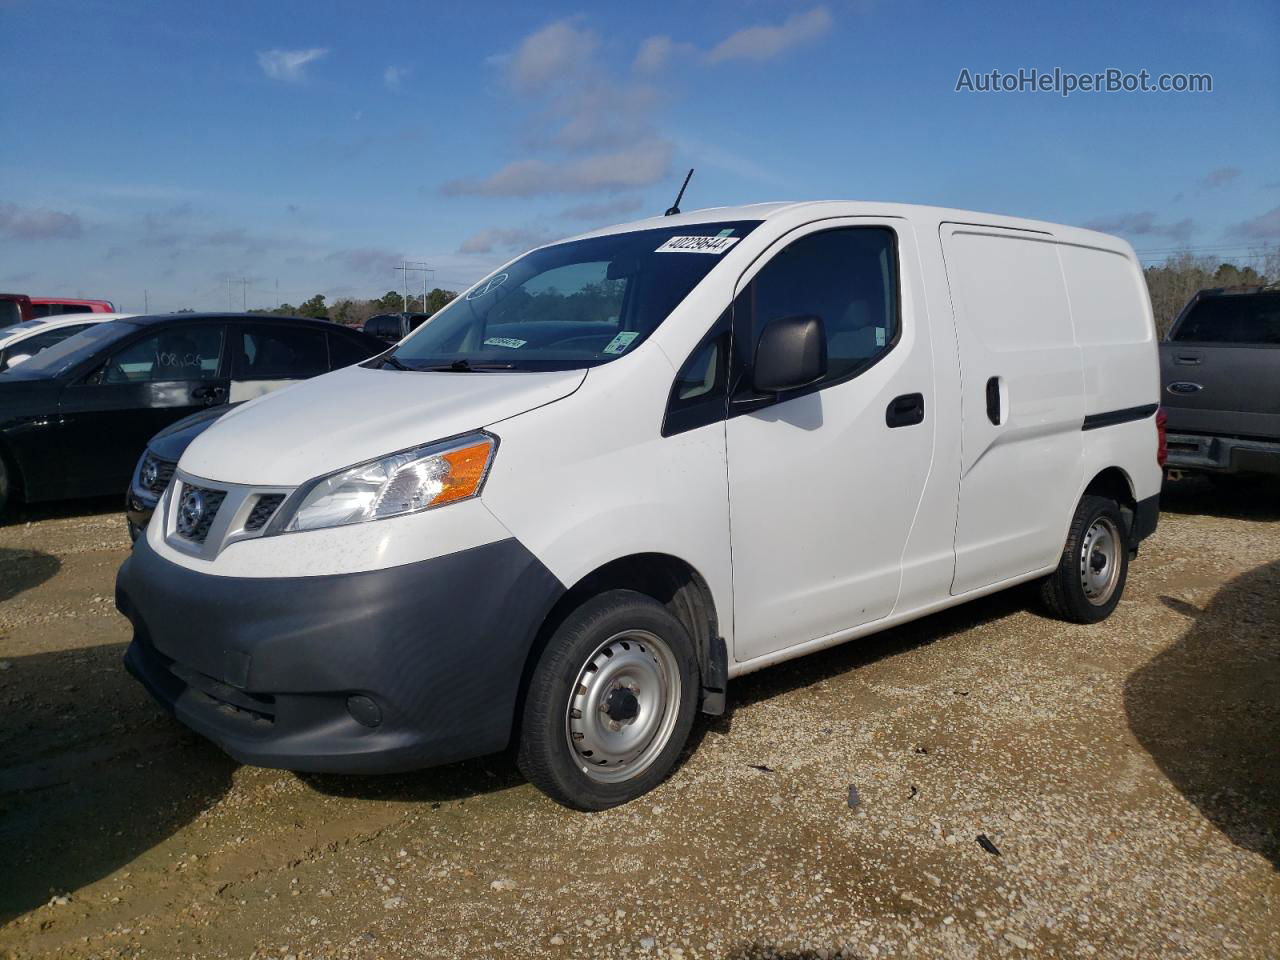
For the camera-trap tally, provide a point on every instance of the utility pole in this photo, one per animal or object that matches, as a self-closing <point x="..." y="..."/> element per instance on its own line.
<point x="414" y="266"/>
<point x="244" y="294"/>
<point x="146" y="301"/>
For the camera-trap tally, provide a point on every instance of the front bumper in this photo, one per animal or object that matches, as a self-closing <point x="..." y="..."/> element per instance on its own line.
<point x="1193" y="451"/>
<point x="281" y="672"/>
<point x="139" y="505"/>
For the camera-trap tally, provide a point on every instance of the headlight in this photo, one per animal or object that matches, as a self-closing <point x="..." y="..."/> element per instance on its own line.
<point x="406" y="482"/>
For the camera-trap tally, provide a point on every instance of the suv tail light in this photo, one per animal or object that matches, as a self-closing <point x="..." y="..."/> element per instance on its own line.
<point x="1162" y="438"/>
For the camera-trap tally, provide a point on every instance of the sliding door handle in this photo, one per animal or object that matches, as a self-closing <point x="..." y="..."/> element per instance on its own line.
<point x="993" y="401"/>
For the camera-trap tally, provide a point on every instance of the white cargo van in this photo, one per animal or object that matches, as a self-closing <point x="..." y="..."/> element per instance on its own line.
<point x="626" y="468"/>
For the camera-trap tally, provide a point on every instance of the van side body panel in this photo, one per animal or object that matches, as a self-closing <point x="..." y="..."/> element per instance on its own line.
<point x="1022" y="401"/>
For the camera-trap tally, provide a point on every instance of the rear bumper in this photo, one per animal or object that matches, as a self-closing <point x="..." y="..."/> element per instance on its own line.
<point x="370" y="672"/>
<point x="1192" y="451"/>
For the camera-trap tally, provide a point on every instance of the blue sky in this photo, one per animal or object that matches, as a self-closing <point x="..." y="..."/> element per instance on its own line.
<point x="168" y="147"/>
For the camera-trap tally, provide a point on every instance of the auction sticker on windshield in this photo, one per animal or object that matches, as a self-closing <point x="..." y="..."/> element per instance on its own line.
<point x="511" y="342"/>
<point x="621" y="341"/>
<point x="716" y="245"/>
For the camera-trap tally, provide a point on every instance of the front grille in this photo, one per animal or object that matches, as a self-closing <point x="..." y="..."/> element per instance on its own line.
<point x="197" y="508"/>
<point x="263" y="510"/>
<point x="158" y="472"/>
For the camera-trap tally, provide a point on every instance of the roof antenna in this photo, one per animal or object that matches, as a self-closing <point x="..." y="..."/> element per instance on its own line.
<point x="675" y="207"/>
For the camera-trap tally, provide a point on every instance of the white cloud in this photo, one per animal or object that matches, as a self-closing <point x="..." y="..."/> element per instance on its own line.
<point x="1143" y="224"/>
<point x="637" y="165"/>
<point x="497" y="238"/>
<point x="586" y="128"/>
<point x="657" y="52"/>
<point x="548" y="57"/>
<point x="289" y="65"/>
<point x="767" y="42"/>
<point x="38" y="223"/>
<point x="1219" y="177"/>
<point x="393" y="76"/>
<point x="1263" y="227"/>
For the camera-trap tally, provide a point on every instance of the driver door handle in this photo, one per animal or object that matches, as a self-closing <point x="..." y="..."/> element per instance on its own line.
<point x="905" y="411"/>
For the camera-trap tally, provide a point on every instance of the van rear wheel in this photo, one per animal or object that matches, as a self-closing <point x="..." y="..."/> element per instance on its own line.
<point x="1091" y="575"/>
<point x="610" y="703"/>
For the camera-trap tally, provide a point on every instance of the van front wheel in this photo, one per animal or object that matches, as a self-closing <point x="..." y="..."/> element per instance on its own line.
<point x="1091" y="575"/>
<point x="610" y="703"/>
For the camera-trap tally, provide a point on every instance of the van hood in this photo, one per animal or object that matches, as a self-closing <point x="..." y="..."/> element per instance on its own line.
<point x="356" y="414"/>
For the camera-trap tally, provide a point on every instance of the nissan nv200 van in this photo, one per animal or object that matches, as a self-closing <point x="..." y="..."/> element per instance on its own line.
<point x="623" y="469"/>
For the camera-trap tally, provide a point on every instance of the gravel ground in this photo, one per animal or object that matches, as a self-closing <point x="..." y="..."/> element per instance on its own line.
<point x="1124" y="777"/>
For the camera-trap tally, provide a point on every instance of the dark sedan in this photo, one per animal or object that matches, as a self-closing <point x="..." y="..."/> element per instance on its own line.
<point x="75" y="419"/>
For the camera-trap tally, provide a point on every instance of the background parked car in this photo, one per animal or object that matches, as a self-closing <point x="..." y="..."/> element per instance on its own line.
<point x="17" y="307"/>
<point x="24" y="340"/>
<point x="158" y="462"/>
<point x="394" y="327"/>
<point x="75" y="418"/>
<point x="1221" y="370"/>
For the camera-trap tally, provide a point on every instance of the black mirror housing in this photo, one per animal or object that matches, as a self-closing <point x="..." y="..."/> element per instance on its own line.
<point x="791" y="353"/>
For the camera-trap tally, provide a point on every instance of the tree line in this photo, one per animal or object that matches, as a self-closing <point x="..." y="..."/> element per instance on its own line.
<point x="1172" y="283"/>
<point x="354" y="312"/>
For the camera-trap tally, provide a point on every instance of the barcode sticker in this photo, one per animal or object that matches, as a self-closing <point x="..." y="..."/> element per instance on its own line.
<point x="715" y="245"/>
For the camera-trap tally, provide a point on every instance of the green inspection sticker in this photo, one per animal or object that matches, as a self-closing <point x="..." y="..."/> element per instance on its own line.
<point x="621" y="341"/>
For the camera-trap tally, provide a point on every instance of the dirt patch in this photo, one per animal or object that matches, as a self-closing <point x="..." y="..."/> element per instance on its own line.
<point x="1123" y="777"/>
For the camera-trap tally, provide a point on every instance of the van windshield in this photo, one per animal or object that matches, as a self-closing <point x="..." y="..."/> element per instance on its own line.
<point x="1250" y="318"/>
<point x="570" y="305"/>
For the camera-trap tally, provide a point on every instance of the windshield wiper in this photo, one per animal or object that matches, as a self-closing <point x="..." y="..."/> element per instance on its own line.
<point x="390" y="361"/>
<point x="463" y="365"/>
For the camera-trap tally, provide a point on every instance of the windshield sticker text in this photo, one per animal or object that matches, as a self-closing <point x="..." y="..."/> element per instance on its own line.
<point x="715" y="245"/>
<point x="511" y="342"/>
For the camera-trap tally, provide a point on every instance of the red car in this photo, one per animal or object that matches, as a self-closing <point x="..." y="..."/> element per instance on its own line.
<point x="17" y="307"/>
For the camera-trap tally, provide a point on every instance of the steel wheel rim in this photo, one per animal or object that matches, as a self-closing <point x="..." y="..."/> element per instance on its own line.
<point x="1100" y="561"/>
<point x="623" y="707"/>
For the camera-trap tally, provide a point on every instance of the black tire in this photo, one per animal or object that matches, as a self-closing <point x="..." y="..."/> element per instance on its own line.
<point x="1072" y="592"/>
<point x="631" y="685"/>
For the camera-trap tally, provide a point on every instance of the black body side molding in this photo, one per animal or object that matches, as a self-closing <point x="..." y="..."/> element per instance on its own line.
<point x="1112" y="417"/>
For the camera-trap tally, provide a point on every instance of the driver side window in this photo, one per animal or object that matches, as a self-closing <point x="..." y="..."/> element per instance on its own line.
<point x="847" y="276"/>
<point x="173" y="354"/>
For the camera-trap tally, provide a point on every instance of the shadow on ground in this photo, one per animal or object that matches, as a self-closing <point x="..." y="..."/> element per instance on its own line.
<point x="1207" y="709"/>
<point x="20" y="570"/>
<point x="22" y="513"/>
<point x="759" y="951"/>
<point x="1232" y="498"/>
<point x="814" y="668"/>
<point x="92" y="773"/>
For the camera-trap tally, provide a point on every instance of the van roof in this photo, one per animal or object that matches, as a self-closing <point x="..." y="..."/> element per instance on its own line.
<point x="913" y="211"/>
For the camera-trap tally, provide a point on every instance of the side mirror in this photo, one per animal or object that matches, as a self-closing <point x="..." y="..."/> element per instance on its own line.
<point x="792" y="353"/>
